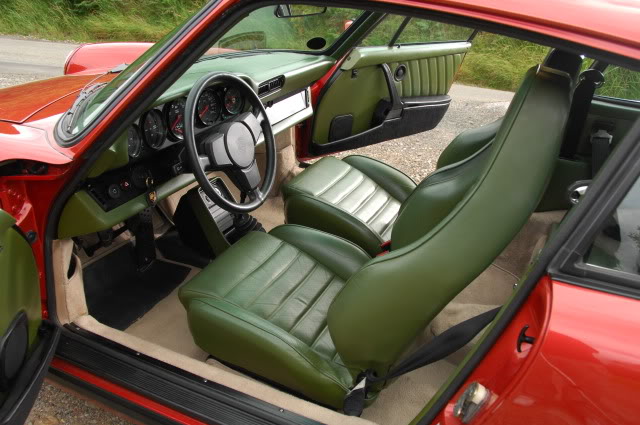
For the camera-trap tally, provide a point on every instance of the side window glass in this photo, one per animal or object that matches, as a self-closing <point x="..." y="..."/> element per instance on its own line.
<point x="417" y="31"/>
<point x="620" y="83"/>
<point x="617" y="245"/>
<point x="423" y="31"/>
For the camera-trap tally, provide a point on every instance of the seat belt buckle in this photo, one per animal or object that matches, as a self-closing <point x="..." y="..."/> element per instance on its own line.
<point x="601" y="135"/>
<point x="355" y="398"/>
<point x="385" y="247"/>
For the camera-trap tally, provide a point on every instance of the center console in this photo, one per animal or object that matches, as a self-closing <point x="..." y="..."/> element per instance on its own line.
<point x="207" y="228"/>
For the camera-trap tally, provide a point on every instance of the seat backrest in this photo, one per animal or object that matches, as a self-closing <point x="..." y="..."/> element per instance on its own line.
<point x="388" y="302"/>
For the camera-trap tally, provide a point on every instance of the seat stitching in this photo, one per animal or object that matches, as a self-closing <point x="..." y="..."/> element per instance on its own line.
<point x="345" y="196"/>
<point x="367" y="199"/>
<point x="295" y="290"/>
<point x="379" y="211"/>
<point x="312" y="304"/>
<point x="330" y="185"/>
<point x="254" y="269"/>
<point x="283" y="271"/>
<point x="317" y="338"/>
<point x="388" y="225"/>
<point x="331" y="378"/>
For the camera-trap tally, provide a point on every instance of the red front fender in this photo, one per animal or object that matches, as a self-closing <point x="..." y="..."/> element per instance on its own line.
<point x="89" y="59"/>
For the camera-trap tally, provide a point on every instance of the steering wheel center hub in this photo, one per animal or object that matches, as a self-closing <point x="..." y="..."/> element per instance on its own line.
<point x="240" y="145"/>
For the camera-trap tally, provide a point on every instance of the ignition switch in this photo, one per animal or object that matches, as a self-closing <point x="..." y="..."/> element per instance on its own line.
<point x="470" y="402"/>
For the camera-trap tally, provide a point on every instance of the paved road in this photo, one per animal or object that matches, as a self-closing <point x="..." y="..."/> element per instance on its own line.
<point x="23" y="60"/>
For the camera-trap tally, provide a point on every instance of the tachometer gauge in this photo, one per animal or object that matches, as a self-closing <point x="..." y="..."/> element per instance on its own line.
<point x="134" y="141"/>
<point x="209" y="107"/>
<point x="233" y="101"/>
<point x="174" y="112"/>
<point x="153" y="129"/>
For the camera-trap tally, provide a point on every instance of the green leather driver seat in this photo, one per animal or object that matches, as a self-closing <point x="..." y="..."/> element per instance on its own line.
<point x="310" y="311"/>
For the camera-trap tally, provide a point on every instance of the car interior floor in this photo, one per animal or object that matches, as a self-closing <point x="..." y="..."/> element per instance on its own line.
<point x="161" y="319"/>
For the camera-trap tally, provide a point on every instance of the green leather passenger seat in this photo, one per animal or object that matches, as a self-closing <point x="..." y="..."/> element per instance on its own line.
<point x="359" y="198"/>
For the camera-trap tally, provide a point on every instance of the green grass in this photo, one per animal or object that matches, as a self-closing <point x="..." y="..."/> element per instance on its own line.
<point x="494" y="61"/>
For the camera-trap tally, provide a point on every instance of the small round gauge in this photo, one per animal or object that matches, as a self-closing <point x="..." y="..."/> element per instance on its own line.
<point x="134" y="141"/>
<point x="153" y="129"/>
<point x="174" y="112"/>
<point x="209" y="107"/>
<point x="233" y="101"/>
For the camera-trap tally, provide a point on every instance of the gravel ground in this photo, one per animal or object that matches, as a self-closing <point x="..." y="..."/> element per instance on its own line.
<point x="415" y="155"/>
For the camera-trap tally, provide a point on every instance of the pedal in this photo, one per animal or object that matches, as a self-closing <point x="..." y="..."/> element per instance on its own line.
<point x="141" y="226"/>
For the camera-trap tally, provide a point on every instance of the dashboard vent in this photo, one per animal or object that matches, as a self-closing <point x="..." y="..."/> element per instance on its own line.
<point x="271" y="86"/>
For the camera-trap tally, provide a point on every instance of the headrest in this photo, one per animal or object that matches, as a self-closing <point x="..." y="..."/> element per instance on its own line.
<point x="564" y="61"/>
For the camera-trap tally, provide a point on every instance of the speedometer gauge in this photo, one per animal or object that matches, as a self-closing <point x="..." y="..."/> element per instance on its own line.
<point x="153" y="129"/>
<point x="175" y="118"/>
<point x="134" y="142"/>
<point x="233" y="101"/>
<point x="209" y="107"/>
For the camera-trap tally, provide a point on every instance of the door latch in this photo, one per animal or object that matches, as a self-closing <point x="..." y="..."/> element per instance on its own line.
<point x="470" y="402"/>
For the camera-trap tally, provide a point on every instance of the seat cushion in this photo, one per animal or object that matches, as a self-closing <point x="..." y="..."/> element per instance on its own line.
<point x="357" y="198"/>
<point x="262" y="306"/>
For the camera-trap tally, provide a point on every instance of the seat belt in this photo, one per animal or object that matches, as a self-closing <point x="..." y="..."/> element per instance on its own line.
<point x="438" y="348"/>
<point x="600" y="149"/>
<point x="590" y="80"/>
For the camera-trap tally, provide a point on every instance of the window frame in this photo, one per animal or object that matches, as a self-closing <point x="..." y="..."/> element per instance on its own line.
<point x="403" y="25"/>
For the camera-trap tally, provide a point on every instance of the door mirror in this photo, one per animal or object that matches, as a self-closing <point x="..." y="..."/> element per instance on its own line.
<point x="298" y="10"/>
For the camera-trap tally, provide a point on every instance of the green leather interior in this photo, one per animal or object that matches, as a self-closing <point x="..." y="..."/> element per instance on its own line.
<point x="19" y="279"/>
<point x="310" y="311"/>
<point x="360" y="84"/>
<point x="262" y="306"/>
<point x="405" y="289"/>
<point x="357" y="198"/>
<point x="467" y="143"/>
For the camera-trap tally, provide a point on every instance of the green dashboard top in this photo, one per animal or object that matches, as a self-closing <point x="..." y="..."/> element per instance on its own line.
<point x="299" y="70"/>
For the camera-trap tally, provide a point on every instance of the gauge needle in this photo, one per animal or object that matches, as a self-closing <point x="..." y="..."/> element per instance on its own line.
<point x="204" y="111"/>
<point x="176" y="122"/>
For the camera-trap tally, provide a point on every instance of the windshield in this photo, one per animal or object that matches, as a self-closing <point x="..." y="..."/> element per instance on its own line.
<point x="285" y="27"/>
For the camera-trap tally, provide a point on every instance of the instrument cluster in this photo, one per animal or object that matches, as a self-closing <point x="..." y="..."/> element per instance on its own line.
<point x="164" y="125"/>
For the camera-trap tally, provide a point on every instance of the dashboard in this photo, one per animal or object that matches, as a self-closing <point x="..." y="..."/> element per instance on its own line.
<point x="150" y="156"/>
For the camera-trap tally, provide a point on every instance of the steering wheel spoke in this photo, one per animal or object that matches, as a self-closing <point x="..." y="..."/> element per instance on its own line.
<point x="216" y="152"/>
<point x="253" y="123"/>
<point x="247" y="179"/>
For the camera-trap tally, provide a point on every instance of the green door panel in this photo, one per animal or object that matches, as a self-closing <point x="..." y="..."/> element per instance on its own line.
<point x="361" y="85"/>
<point x="82" y="214"/>
<point x="19" y="280"/>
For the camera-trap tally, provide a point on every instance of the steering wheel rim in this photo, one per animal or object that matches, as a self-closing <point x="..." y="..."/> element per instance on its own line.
<point x="230" y="146"/>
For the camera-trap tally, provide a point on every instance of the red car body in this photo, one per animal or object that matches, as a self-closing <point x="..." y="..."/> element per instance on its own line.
<point x="585" y="349"/>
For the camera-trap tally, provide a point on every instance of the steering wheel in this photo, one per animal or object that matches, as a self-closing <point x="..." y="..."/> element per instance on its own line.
<point x="231" y="146"/>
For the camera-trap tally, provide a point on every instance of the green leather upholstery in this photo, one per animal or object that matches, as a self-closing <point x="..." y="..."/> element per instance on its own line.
<point x="467" y="143"/>
<point x="405" y="289"/>
<point x="357" y="199"/>
<point x="262" y="306"/>
<point x="310" y="311"/>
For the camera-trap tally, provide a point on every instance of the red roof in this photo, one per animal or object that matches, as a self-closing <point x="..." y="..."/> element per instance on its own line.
<point x="610" y="25"/>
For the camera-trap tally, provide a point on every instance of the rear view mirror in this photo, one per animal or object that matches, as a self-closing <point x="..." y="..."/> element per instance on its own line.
<point x="298" y="10"/>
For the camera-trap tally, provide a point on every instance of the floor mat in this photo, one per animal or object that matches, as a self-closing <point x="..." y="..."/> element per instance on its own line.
<point x="117" y="294"/>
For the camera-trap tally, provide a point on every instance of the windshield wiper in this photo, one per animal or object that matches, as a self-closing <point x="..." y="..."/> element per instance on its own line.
<point x="88" y="91"/>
